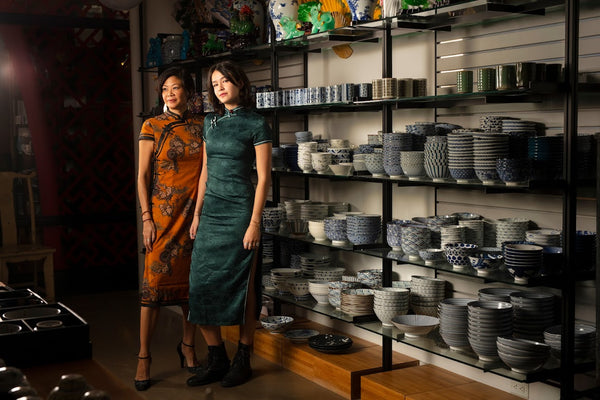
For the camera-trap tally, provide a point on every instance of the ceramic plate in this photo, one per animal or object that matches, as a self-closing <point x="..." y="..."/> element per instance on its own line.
<point x="300" y="335"/>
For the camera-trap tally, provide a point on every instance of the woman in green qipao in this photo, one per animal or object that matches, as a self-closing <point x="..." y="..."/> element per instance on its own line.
<point x="226" y="225"/>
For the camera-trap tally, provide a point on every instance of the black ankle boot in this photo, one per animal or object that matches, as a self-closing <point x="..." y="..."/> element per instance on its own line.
<point x="240" y="371"/>
<point x="216" y="368"/>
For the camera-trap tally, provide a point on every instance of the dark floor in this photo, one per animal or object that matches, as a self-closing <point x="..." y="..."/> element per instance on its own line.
<point x="114" y="320"/>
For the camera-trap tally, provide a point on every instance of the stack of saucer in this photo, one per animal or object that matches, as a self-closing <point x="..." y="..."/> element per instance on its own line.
<point x="357" y="302"/>
<point x="310" y="261"/>
<point x="523" y="261"/>
<point x="310" y="210"/>
<point x="453" y="314"/>
<point x="425" y="294"/>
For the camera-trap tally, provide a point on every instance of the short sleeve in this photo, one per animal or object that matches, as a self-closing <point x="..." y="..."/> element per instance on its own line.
<point x="262" y="134"/>
<point x="147" y="131"/>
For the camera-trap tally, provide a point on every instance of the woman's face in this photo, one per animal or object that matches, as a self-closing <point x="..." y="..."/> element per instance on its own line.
<point x="225" y="90"/>
<point x="174" y="95"/>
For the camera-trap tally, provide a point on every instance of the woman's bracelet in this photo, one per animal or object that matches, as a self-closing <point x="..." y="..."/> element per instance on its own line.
<point x="144" y="212"/>
<point x="147" y="219"/>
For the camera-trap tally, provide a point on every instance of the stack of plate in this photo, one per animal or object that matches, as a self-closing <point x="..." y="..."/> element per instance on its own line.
<point x="453" y="315"/>
<point x="533" y="312"/>
<point x="460" y="157"/>
<point x="486" y="321"/>
<point x="292" y="208"/>
<point x="522" y="355"/>
<point x="310" y="210"/>
<point x="279" y="277"/>
<point x="495" y="294"/>
<point x="585" y="340"/>
<point x="474" y="231"/>
<point x="300" y="335"/>
<point x="335" y="291"/>
<point x="370" y="277"/>
<point x="357" y="302"/>
<point x="487" y="148"/>
<point x="545" y="237"/>
<point x="363" y="228"/>
<point x="511" y="229"/>
<point x="389" y="302"/>
<point x="327" y="273"/>
<point x="338" y="207"/>
<point x="330" y="343"/>
<point x="310" y="261"/>
<point x="523" y="261"/>
<point x="425" y="294"/>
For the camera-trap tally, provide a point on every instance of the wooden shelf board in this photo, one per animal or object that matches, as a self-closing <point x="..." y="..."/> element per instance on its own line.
<point x="469" y="391"/>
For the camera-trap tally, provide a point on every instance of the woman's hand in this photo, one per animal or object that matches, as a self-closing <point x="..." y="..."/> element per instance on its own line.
<point x="252" y="237"/>
<point x="194" y="227"/>
<point x="149" y="234"/>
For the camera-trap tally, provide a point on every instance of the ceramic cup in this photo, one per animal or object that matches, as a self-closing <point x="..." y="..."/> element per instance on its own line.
<point x="486" y="79"/>
<point x="464" y="81"/>
<point x="525" y="74"/>
<point x="506" y="77"/>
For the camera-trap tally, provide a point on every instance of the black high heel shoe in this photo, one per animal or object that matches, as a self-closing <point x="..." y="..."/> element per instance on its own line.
<point x="142" y="385"/>
<point x="182" y="360"/>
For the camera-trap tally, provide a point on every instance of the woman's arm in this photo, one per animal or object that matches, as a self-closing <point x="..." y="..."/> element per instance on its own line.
<point x="263" y="170"/>
<point x="144" y="180"/>
<point x="200" y="198"/>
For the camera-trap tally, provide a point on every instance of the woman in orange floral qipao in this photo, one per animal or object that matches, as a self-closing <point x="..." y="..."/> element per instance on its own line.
<point x="170" y="159"/>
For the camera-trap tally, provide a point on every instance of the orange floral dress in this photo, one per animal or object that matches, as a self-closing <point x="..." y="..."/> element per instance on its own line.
<point x="176" y="170"/>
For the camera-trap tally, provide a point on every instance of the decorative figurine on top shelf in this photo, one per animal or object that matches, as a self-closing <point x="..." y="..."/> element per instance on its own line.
<point x="321" y="21"/>
<point x="289" y="27"/>
<point x="242" y="28"/>
<point x="154" y="58"/>
<point x="304" y="16"/>
<point x="213" y="45"/>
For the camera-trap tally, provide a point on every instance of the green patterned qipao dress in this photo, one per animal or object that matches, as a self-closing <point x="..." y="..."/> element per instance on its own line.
<point x="220" y="269"/>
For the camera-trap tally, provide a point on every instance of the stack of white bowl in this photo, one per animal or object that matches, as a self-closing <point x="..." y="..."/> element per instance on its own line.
<point x="389" y="302"/>
<point x="335" y="290"/>
<point x="327" y="273"/>
<point x="533" y="312"/>
<point x="305" y="149"/>
<point x="279" y="277"/>
<point x="452" y="234"/>
<point x="487" y="148"/>
<point x="545" y="237"/>
<point x="310" y="261"/>
<point x="413" y="164"/>
<point x="357" y="302"/>
<point x="522" y="355"/>
<point x="511" y="229"/>
<point x="486" y="321"/>
<point x="426" y="294"/>
<point x="436" y="158"/>
<point x="585" y="340"/>
<point x="453" y="315"/>
<point x="319" y="290"/>
<point x="316" y="228"/>
<point x="474" y="231"/>
<point x="460" y="156"/>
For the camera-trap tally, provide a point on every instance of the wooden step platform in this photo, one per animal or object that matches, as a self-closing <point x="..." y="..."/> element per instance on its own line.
<point x="427" y="382"/>
<point x="340" y="373"/>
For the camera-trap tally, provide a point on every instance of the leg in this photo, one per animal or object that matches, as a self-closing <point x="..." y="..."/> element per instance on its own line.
<point x="218" y="362"/>
<point x="240" y="371"/>
<point x="148" y="319"/>
<point x="188" y="340"/>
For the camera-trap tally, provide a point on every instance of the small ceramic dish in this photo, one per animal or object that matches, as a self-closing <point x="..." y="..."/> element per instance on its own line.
<point x="276" y="323"/>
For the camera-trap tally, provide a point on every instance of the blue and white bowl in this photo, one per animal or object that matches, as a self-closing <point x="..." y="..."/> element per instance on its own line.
<point x="336" y="230"/>
<point x="276" y="323"/>
<point x="484" y="263"/>
<point x="457" y="254"/>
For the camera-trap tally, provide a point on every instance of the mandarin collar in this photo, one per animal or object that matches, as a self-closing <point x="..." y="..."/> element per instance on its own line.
<point x="177" y="116"/>
<point x="233" y="112"/>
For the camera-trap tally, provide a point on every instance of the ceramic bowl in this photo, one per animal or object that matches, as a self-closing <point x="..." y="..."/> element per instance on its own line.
<point x="414" y="325"/>
<point x="298" y="288"/>
<point x="343" y="169"/>
<point x="485" y="263"/>
<point x="276" y="323"/>
<point x="458" y="254"/>
<point x="431" y="256"/>
<point x="316" y="228"/>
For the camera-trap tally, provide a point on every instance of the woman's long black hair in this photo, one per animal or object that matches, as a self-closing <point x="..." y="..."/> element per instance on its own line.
<point x="235" y="74"/>
<point x="186" y="78"/>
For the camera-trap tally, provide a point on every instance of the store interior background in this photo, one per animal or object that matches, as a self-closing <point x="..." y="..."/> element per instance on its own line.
<point x="88" y="85"/>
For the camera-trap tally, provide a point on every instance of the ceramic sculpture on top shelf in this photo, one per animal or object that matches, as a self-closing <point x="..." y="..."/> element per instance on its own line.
<point x="258" y="16"/>
<point x="242" y="28"/>
<point x="278" y="9"/>
<point x="362" y="10"/>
